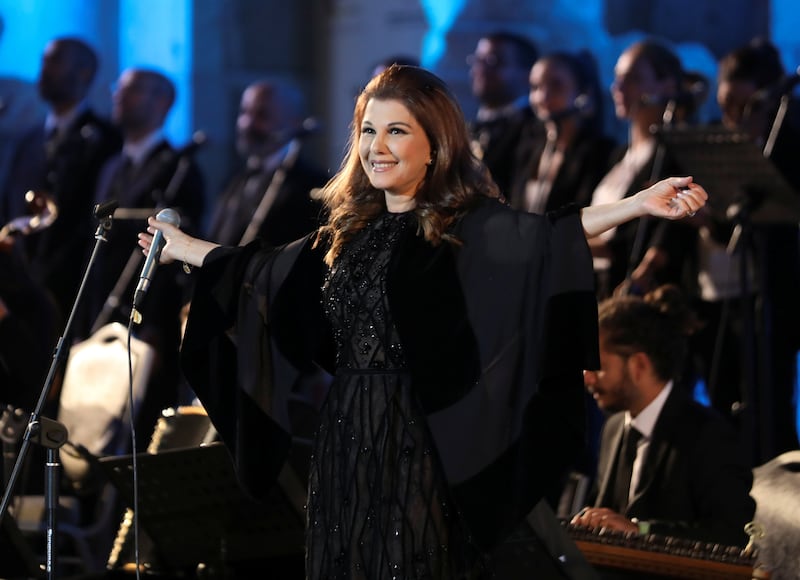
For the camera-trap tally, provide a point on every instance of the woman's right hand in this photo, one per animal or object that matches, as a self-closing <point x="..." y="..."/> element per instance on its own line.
<point x="178" y="245"/>
<point x="172" y="236"/>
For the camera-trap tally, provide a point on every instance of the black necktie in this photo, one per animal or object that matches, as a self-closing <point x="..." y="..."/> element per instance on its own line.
<point x="622" y="477"/>
<point x="235" y="215"/>
<point x="121" y="181"/>
<point x="127" y="167"/>
<point x="51" y="142"/>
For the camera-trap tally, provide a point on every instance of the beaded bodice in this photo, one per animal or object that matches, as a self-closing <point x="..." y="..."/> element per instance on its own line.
<point x="355" y="297"/>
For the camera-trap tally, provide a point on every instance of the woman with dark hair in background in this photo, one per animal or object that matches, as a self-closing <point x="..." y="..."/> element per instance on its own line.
<point x="457" y="330"/>
<point x="648" y="79"/>
<point x="563" y="163"/>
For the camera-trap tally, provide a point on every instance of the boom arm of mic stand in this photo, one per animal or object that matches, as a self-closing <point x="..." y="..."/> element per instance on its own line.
<point x="271" y="192"/>
<point x="777" y="123"/>
<point x="175" y="182"/>
<point x="669" y="113"/>
<point x="47" y="432"/>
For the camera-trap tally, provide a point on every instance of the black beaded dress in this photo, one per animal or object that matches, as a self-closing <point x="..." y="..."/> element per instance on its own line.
<point x="458" y="381"/>
<point x="379" y="504"/>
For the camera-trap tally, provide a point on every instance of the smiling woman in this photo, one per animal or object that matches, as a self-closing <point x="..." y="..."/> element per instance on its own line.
<point x="442" y="314"/>
<point x="395" y="152"/>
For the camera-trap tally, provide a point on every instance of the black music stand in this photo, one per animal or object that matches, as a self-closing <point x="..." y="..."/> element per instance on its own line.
<point x="192" y="507"/>
<point x="746" y="189"/>
<point x="734" y="172"/>
<point x="17" y="558"/>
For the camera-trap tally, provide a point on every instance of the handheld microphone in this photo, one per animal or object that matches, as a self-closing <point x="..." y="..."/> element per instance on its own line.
<point x="582" y="106"/>
<point x="687" y="96"/>
<point x="783" y="87"/>
<point x="790" y="82"/>
<point x="169" y="156"/>
<point x="309" y="126"/>
<point x="166" y="215"/>
<point x="199" y="138"/>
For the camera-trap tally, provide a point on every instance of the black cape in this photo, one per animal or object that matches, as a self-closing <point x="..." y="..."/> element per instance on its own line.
<point x="497" y="328"/>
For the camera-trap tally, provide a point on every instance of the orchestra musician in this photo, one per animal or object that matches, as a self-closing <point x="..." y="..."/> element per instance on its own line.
<point x="685" y="475"/>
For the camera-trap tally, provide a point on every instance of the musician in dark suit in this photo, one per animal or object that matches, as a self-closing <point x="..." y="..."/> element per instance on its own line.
<point x="148" y="175"/>
<point x="499" y="70"/>
<point x="62" y="157"/>
<point x="667" y="464"/>
<point x="269" y="132"/>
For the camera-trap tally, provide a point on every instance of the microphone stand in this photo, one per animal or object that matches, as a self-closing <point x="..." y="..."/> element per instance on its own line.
<point x="777" y="123"/>
<point x="184" y="164"/>
<point x="756" y="411"/>
<point x="755" y="327"/>
<point x="655" y="172"/>
<point x="46" y="432"/>
<point x="742" y="241"/>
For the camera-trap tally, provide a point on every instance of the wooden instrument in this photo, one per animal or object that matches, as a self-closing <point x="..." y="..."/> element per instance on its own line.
<point x="42" y="211"/>
<point x="656" y="556"/>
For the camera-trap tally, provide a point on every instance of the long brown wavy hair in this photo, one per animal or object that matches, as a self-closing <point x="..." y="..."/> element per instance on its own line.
<point x="455" y="178"/>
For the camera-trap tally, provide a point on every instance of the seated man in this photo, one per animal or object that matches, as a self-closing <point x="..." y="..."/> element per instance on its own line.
<point x="684" y="474"/>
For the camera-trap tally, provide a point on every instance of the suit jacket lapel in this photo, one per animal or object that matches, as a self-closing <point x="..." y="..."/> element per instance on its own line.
<point x="615" y="427"/>
<point x="658" y="451"/>
<point x="140" y="190"/>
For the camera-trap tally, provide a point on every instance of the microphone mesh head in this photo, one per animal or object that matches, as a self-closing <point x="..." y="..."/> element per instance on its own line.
<point x="199" y="138"/>
<point x="170" y="216"/>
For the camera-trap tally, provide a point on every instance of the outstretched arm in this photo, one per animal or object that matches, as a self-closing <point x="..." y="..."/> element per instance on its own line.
<point x="672" y="198"/>
<point x="179" y="245"/>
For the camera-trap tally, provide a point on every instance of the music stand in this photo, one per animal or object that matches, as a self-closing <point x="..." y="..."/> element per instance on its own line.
<point x="734" y="171"/>
<point x="193" y="509"/>
<point x="17" y="558"/>
<point x="746" y="189"/>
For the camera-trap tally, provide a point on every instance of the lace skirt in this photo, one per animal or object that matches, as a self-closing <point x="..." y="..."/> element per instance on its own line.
<point x="379" y="505"/>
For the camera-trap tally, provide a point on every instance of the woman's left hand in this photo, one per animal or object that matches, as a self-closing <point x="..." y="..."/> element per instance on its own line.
<point x="673" y="198"/>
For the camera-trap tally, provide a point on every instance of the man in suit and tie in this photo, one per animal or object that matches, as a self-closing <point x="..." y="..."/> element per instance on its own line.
<point x="499" y="70"/>
<point x="147" y="175"/>
<point x="143" y="176"/>
<point x="62" y="157"/>
<point x="269" y="131"/>
<point x="667" y="464"/>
